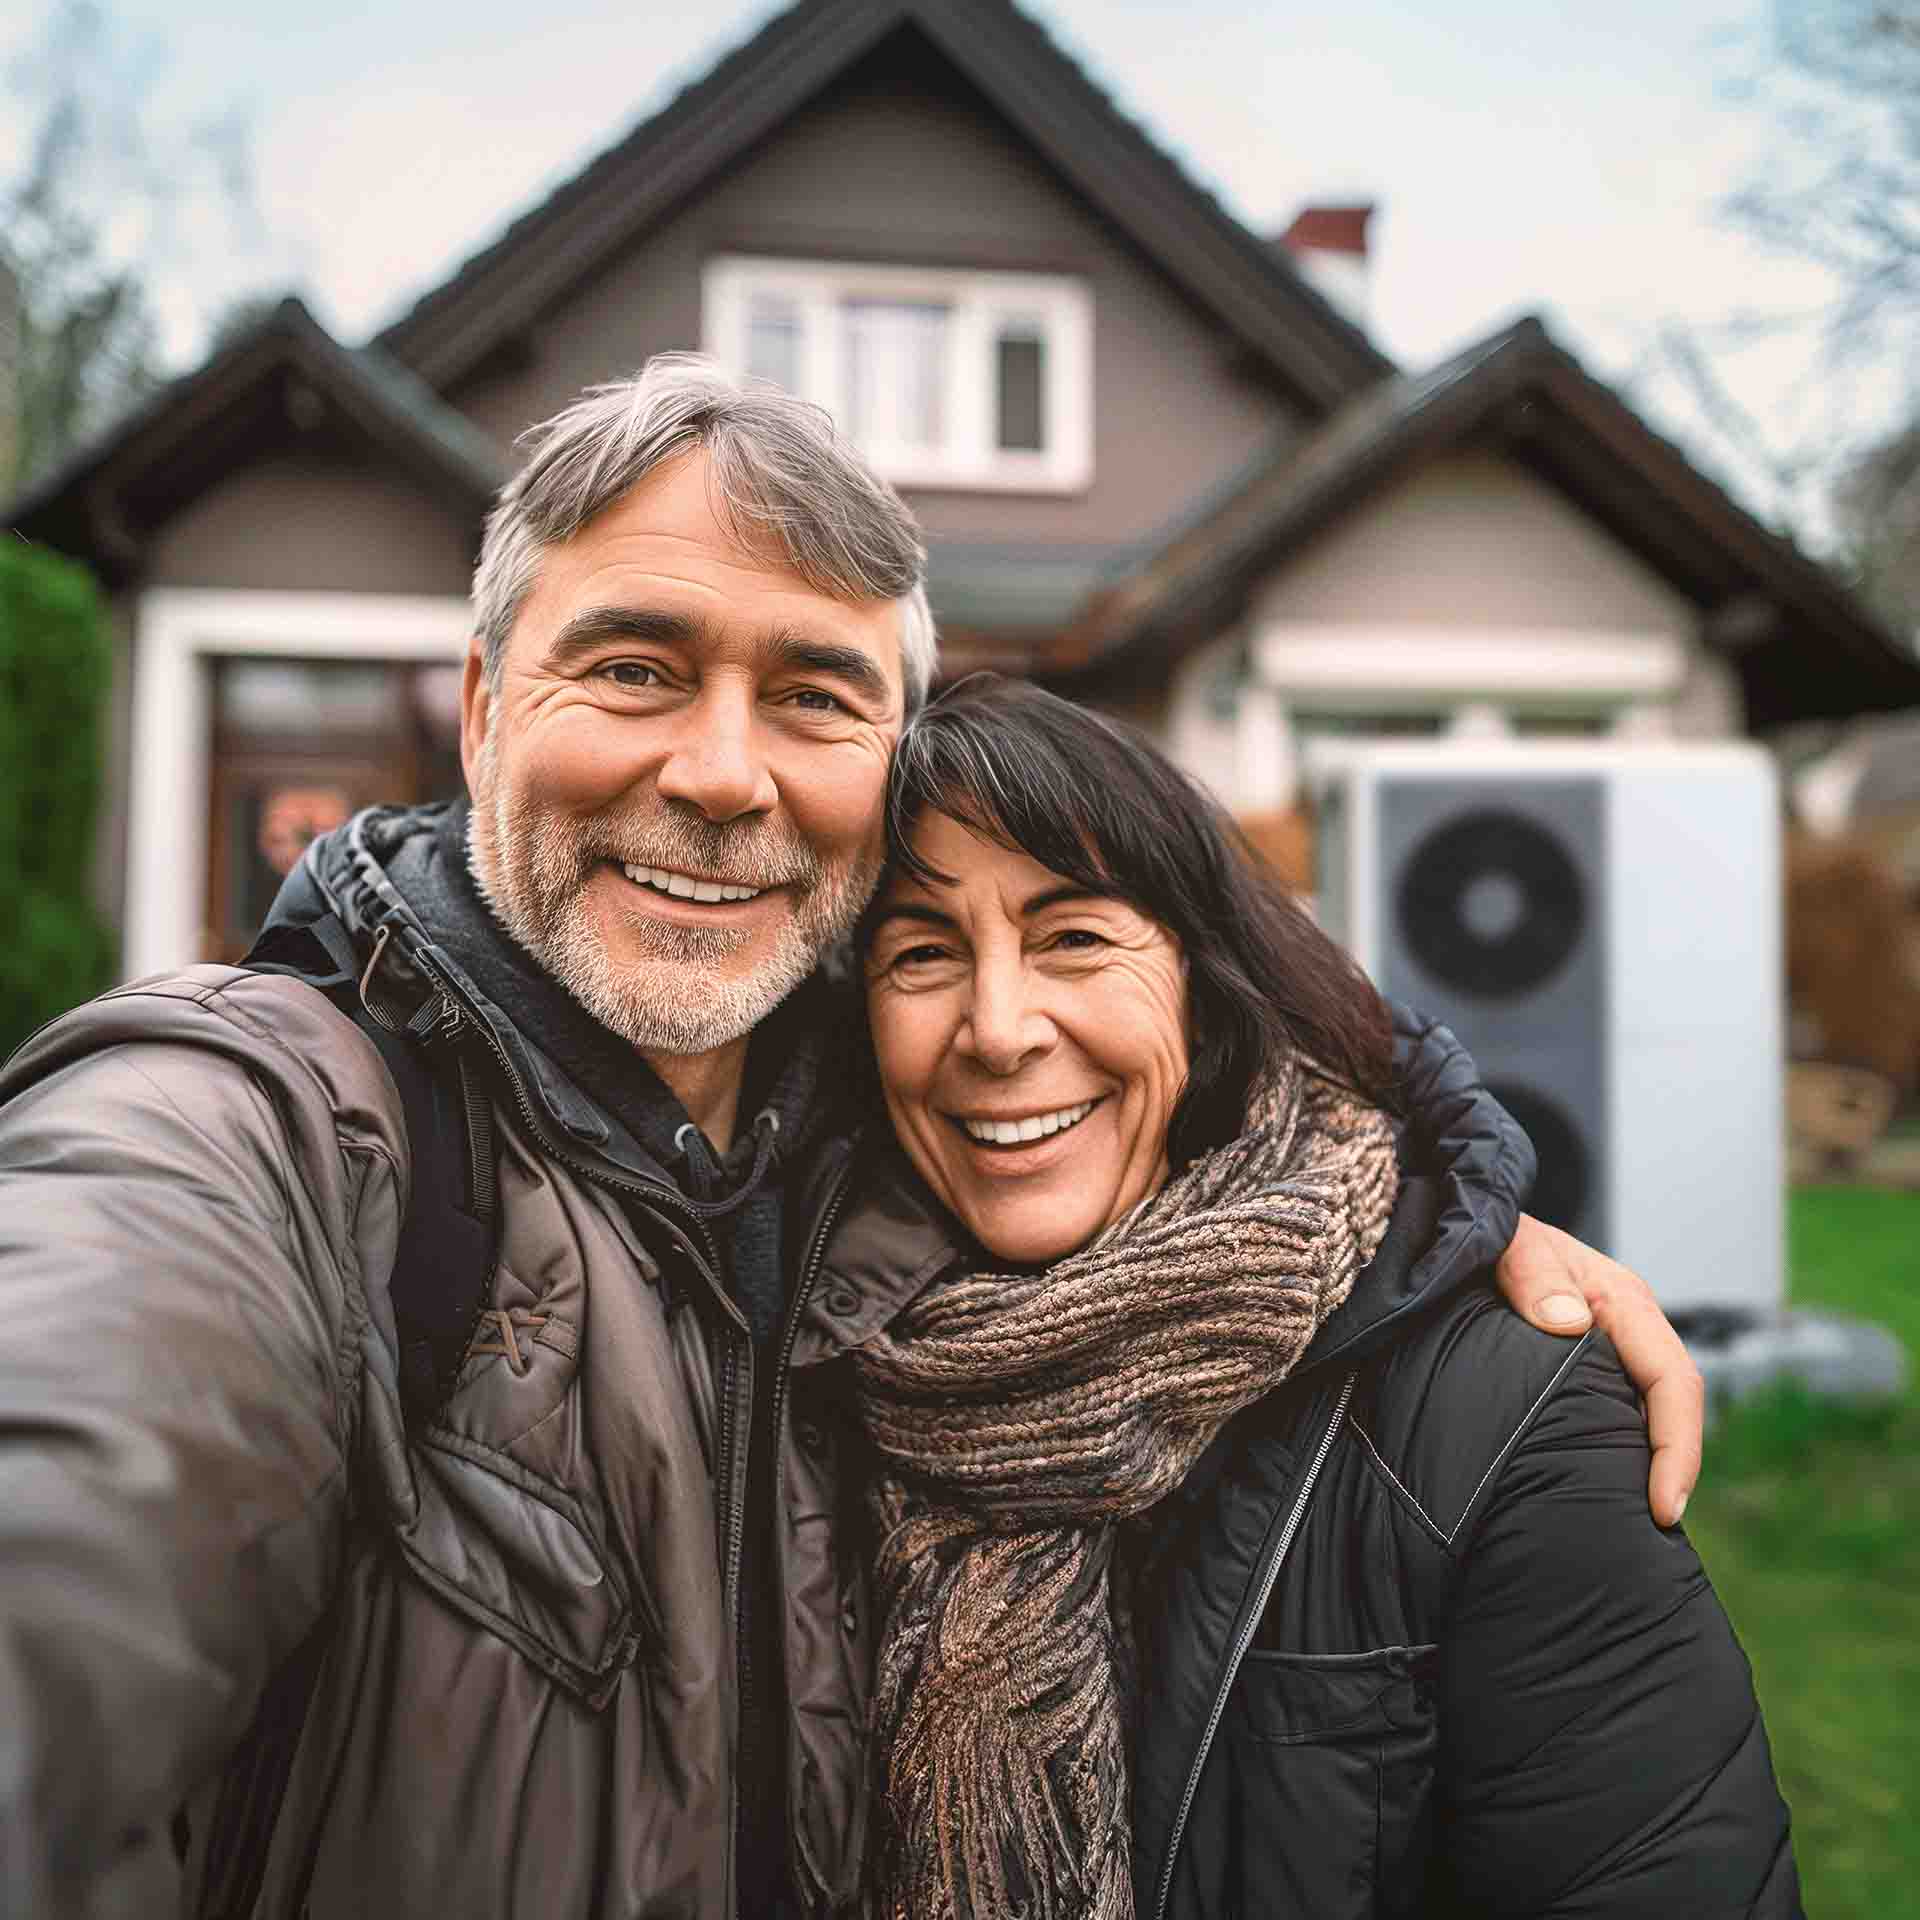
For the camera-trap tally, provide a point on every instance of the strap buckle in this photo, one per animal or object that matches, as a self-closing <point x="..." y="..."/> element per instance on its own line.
<point x="427" y="1012"/>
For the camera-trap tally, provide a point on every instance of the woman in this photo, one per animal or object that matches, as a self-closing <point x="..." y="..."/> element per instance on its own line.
<point x="1203" y="1588"/>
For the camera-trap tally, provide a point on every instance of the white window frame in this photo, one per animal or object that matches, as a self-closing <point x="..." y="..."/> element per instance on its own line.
<point x="1426" y="667"/>
<point x="977" y="301"/>
<point x="178" y="633"/>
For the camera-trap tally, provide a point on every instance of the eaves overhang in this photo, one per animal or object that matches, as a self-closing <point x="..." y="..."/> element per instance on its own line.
<point x="1804" y="646"/>
<point x="279" y="381"/>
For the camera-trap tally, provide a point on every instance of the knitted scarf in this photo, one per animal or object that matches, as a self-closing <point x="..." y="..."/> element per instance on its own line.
<point x="1019" y="1417"/>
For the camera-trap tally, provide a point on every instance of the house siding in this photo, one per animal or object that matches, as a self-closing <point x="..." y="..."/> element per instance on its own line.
<point x="1469" y="546"/>
<point x="316" y="521"/>
<point x="900" y="163"/>
<point x="1474" y="541"/>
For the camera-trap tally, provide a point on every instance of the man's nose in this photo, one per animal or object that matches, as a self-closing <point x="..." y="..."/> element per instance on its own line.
<point x="1005" y="1027"/>
<point x="717" y="763"/>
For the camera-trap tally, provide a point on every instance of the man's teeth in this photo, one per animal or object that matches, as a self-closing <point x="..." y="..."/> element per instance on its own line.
<point x="1007" y="1133"/>
<point x="683" y="887"/>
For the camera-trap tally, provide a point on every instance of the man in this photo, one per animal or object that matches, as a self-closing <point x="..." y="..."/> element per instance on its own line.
<point x="588" y="1634"/>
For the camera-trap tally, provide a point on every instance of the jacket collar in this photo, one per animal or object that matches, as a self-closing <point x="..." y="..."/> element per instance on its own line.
<point x="895" y="1240"/>
<point x="1466" y="1168"/>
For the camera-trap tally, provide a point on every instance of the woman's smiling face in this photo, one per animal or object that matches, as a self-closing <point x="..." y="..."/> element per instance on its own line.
<point x="1032" y="1042"/>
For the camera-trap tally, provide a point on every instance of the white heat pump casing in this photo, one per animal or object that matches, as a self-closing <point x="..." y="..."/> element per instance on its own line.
<point x="1663" y="1031"/>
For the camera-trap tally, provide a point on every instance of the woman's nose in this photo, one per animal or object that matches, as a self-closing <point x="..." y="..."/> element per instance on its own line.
<point x="1005" y="1026"/>
<point x="716" y="762"/>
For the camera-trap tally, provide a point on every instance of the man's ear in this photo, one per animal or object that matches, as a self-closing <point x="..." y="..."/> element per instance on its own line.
<point x="476" y="706"/>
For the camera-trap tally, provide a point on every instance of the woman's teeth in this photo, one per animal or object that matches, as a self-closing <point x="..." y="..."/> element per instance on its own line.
<point x="682" y="887"/>
<point x="1007" y="1133"/>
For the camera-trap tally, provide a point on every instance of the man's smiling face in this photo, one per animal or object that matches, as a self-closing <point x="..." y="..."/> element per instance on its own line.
<point x="677" y="783"/>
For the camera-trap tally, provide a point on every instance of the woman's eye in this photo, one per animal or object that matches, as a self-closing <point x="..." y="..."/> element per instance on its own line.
<point x="917" y="958"/>
<point x="1079" y="940"/>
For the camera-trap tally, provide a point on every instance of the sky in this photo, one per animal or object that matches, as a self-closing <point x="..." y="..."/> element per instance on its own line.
<point x="1565" y="160"/>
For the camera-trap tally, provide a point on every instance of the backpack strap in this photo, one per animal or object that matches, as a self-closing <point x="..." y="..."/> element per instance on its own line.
<point x="443" y="1264"/>
<point x="442" y="1276"/>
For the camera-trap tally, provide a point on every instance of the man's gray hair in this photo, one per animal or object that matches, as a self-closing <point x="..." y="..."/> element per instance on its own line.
<point x="784" y="482"/>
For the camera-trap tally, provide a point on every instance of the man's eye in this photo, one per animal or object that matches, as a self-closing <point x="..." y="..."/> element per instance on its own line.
<point x="815" y="700"/>
<point x="631" y="673"/>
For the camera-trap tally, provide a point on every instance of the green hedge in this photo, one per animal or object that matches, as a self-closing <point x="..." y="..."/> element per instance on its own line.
<point x="55" y="671"/>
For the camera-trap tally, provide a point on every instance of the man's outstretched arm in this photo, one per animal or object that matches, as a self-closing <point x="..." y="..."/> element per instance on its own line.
<point x="1561" y="1285"/>
<point x="182" y="1222"/>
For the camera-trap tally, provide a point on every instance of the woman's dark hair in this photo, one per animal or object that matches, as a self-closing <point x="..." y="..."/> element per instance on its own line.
<point x="1091" y="799"/>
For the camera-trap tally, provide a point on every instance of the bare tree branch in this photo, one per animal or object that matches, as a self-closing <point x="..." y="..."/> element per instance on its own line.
<point x="97" y="199"/>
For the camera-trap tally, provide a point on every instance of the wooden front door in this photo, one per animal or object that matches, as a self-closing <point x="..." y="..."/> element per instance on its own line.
<point x="299" y="745"/>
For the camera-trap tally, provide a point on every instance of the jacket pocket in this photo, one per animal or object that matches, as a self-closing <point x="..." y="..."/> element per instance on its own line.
<point x="1332" y="1759"/>
<point x="515" y="1555"/>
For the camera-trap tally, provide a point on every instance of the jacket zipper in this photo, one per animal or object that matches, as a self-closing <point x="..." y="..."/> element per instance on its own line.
<point x="446" y="1028"/>
<point x="742" y="1469"/>
<point x="809" y="1273"/>
<point x="657" y="1193"/>
<point x="1269" y="1574"/>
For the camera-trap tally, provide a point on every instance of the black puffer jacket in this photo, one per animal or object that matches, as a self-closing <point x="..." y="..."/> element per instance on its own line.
<point x="1409" y="1640"/>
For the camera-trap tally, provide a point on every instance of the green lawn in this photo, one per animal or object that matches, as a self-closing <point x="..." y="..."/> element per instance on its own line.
<point x="1808" y="1517"/>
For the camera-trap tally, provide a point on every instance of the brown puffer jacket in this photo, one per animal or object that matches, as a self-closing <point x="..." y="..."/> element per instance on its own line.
<point x="525" y="1695"/>
<point x="523" y="1692"/>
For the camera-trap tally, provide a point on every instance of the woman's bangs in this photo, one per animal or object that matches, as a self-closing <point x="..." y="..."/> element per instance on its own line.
<point x="997" y="783"/>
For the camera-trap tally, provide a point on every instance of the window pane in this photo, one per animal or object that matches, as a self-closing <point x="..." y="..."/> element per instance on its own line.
<point x="896" y="373"/>
<point x="1562" y="726"/>
<point x="317" y="700"/>
<point x="1390" y="726"/>
<point x="1021" y="380"/>
<point x="773" y="339"/>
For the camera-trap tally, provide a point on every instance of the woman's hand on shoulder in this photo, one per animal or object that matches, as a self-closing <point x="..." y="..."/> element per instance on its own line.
<point x="1562" y="1286"/>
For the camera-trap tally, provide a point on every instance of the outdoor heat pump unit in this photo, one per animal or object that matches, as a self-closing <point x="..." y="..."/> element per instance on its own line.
<point x="1600" y="925"/>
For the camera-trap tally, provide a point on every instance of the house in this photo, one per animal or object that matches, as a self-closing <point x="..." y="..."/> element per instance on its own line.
<point x="1159" y="467"/>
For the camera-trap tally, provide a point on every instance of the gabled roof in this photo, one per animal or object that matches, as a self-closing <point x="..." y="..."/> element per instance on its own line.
<point x="276" y="379"/>
<point x="1250" y="287"/>
<point x="1804" y="646"/>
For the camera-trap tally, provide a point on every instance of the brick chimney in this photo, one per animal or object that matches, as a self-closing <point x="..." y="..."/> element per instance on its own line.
<point x="1329" y="246"/>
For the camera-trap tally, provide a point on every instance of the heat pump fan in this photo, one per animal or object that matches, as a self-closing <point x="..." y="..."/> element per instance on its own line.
<point x="1600" y="925"/>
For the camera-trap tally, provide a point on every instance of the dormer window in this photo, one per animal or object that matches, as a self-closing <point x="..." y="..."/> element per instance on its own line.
<point x="945" y="379"/>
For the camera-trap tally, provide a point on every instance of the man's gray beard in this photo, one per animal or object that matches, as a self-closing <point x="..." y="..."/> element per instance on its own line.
<point x="533" y="868"/>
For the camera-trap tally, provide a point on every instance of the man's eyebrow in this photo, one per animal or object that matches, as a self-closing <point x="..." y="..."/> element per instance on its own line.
<point x="592" y="628"/>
